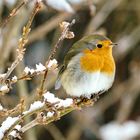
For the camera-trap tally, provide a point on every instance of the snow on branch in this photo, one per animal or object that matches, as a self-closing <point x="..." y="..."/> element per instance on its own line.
<point x="6" y="125"/>
<point x="4" y="87"/>
<point x="54" y="108"/>
<point x="1" y="107"/>
<point x="48" y="107"/>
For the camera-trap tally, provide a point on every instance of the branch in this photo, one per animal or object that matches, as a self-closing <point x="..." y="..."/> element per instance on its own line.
<point x="12" y="14"/>
<point x="48" y="26"/>
<point x="22" y="42"/>
<point x="58" y="113"/>
<point x="66" y="33"/>
<point x="101" y="16"/>
<point x="51" y="128"/>
<point x="127" y="43"/>
<point x="54" y="107"/>
<point x="17" y="109"/>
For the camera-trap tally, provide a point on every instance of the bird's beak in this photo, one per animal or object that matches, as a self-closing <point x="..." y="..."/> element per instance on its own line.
<point x="113" y="44"/>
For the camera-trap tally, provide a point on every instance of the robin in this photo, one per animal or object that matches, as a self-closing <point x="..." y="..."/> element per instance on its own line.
<point x="88" y="68"/>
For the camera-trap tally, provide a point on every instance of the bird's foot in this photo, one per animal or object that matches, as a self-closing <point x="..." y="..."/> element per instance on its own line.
<point x="76" y="100"/>
<point x="86" y="101"/>
<point x="95" y="97"/>
<point x="80" y="99"/>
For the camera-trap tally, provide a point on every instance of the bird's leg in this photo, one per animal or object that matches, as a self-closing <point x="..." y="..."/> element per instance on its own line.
<point x="95" y="97"/>
<point x="84" y="99"/>
<point x="80" y="99"/>
<point x="100" y="92"/>
<point x="75" y="100"/>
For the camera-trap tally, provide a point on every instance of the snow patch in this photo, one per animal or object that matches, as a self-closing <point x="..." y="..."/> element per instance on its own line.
<point x="115" y="131"/>
<point x="40" y="67"/>
<point x="50" y="114"/>
<point x="1" y="107"/>
<point x="61" y="5"/>
<point x="14" y="132"/>
<point x="49" y="97"/>
<point x="14" y="78"/>
<point x="4" y="88"/>
<point x="6" y="125"/>
<point x="52" y="62"/>
<point x="34" y="106"/>
<point x="27" y="70"/>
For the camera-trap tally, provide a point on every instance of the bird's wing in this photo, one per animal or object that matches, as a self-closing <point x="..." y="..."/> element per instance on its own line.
<point x="74" y="50"/>
<point x="62" y="68"/>
<point x="71" y="53"/>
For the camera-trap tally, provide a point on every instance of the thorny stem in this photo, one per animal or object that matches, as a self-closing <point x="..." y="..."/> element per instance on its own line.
<point x="57" y="45"/>
<point x="12" y="14"/>
<point x="23" y="41"/>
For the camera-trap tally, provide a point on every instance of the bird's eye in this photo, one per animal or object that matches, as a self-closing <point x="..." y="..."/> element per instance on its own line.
<point x="99" y="45"/>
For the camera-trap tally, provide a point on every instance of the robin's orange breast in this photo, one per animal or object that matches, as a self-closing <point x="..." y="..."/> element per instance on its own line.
<point x="96" y="60"/>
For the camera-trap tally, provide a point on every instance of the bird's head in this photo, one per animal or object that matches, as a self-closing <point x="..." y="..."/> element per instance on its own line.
<point x="97" y="43"/>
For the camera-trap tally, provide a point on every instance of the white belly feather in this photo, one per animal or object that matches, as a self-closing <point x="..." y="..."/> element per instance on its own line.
<point x="79" y="83"/>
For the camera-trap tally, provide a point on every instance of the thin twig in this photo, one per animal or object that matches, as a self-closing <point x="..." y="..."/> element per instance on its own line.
<point x="57" y="45"/>
<point x="127" y="43"/>
<point x="62" y="112"/>
<point x="17" y="109"/>
<point x="48" y="26"/>
<point x="12" y="14"/>
<point x="100" y="17"/>
<point x="58" y="134"/>
<point x="23" y="41"/>
<point x="78" y="104"/>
